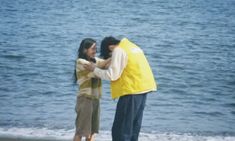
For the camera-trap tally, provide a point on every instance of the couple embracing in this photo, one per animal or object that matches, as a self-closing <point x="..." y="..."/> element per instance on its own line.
<point x="125" y="65"/>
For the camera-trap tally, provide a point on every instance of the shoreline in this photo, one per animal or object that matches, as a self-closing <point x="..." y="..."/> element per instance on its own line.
<point x="165" y="137"/>
<point x="29" y="139"/>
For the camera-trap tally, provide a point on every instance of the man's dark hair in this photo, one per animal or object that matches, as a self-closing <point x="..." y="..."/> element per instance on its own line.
<point x="106" y="42"/>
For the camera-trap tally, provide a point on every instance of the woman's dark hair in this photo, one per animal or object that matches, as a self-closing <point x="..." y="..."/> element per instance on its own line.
<point x="84" y="45"/>
<point x="106" y="42"/>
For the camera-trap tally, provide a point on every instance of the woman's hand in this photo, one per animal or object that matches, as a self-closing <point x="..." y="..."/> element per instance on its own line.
<point x="107" y="63"/>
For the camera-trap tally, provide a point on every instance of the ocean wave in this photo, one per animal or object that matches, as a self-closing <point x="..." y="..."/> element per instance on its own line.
<point x="14" y="56"/>
<point x="62" y="134"/>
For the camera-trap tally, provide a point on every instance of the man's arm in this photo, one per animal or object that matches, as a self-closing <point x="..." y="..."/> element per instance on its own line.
<point x="103" y="63"/>
<point x="118" y="63"/>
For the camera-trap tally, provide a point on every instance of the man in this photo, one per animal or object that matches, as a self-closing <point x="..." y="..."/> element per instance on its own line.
<point x="131" y="79"/>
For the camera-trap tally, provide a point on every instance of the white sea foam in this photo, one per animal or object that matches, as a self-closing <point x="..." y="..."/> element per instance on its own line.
<point x="61" y="134"/>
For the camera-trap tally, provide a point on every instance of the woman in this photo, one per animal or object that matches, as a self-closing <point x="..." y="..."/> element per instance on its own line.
<point x="88" y="98"/>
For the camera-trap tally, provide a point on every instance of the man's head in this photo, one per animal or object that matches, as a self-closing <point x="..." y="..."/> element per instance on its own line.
<point x="107" y="46"/>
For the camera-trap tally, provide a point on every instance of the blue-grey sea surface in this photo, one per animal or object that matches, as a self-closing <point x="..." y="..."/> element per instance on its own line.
<point x="190" y="45"/>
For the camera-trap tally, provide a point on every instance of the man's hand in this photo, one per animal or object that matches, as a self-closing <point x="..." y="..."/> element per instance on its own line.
<point x="89" y="67"/>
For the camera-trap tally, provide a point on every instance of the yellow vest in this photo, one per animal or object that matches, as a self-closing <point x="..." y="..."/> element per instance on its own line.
<point x="137" y="77"/>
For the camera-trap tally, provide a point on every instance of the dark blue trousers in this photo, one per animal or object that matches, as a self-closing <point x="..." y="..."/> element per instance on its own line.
<point x="128" y="117"/>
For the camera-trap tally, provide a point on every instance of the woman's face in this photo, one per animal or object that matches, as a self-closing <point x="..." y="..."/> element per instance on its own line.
<point x="91" y="51"/>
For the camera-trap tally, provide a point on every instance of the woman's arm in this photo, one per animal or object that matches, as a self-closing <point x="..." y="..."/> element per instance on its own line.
<point x="81" y="63"/>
